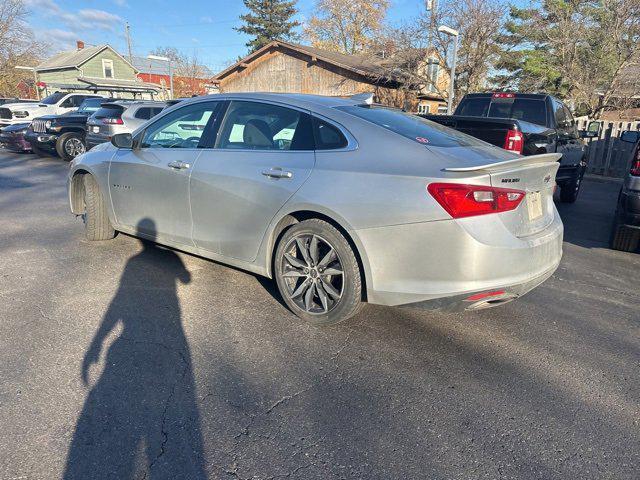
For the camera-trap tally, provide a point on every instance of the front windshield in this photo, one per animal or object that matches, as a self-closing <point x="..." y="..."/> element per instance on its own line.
<point x="53" y="98"/>
<point x="90" y="105"/>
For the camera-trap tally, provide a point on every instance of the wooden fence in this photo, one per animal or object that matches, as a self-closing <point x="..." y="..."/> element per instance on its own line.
<point x="607" y="155"/>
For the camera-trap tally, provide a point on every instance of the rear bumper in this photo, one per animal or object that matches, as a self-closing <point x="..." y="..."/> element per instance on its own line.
<point x="445" y="262"/>
<point x="629" y="208"/>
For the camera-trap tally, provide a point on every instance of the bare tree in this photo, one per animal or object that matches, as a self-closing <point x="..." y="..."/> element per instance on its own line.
<point x="17" y="47"/>
<point x="189" y="73"/>
<point x="420" y="56"/>
<point x="346" y="26"/>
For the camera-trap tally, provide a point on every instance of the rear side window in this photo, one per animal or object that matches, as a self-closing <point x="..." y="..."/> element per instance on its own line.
<point x="263" y="126"/>
<point x="327" y="137"/>
<point x="474" y="107"/>
<point x="109" y="111"/>
<point x="415" y="128"/>
<point x="143" y="113"/>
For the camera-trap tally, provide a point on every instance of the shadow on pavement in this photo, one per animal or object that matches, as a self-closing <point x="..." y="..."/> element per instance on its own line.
<point x="147" y="386"/>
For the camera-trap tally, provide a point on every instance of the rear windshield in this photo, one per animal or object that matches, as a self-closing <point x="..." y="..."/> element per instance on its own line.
<point x="412" y="127"/>
<point x="109" y="111"/>
<point x="526" y="109"/>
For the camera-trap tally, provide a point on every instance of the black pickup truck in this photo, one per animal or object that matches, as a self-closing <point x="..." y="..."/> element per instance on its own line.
<point x="63" y="134"/>
<point x="528" y="124"/>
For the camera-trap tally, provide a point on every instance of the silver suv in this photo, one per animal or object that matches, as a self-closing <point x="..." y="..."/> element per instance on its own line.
<point x="119" y="116"/>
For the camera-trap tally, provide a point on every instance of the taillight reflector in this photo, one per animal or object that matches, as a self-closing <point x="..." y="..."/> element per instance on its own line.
<point x="514" y="141"/>
<point x="480" y="296"/>
<point x="461" y="200"/>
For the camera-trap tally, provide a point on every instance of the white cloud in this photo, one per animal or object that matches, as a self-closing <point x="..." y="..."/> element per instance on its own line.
<point x="121" y="3"/>
<point x="84" y="19"/>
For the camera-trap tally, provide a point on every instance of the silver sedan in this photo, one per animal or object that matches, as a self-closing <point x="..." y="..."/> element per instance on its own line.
<point x="341" y="201"/>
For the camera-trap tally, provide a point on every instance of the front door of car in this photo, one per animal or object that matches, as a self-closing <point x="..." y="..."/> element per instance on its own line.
<point x="152" y="180"/>
<point x="263" y="154"/>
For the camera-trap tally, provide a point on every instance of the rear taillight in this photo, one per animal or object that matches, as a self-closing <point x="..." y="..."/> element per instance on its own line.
<point x="112" y="121"/>
<point x="460" y="200"/>
<point x="514" y="141"/>
<point x="635" y="165"/>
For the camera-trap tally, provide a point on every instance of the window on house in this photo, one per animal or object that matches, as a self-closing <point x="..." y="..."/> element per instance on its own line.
<point x="433" y="71"/>
<point x="107" y="68"/>
<point x="423" y="109"/>
<point x="442" y="109"/>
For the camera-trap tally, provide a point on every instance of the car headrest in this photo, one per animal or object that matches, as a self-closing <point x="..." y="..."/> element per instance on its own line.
<point x="257" y="134"/>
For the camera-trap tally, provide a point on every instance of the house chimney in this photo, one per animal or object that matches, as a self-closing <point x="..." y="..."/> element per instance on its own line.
<point x="79" y="44"/>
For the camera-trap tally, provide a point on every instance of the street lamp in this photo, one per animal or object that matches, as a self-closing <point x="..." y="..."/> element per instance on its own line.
<point x="168" y="60"/>
<point x="455" y="34"/>
<point x="35" y="78"/>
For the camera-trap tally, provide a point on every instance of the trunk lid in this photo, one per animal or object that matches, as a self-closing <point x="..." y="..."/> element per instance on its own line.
<point x="534" y="175"/>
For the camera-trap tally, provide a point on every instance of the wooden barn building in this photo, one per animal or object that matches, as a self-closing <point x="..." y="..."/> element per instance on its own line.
<point x="286" y="67"/>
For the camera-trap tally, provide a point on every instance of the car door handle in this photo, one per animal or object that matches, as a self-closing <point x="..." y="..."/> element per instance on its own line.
<point x="178" y="165"/>
<point x="277" y="172"/>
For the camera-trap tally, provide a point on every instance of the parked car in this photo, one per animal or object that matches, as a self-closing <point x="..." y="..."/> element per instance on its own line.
<point x="55" y="104"/>
<point x="529" y="124"/>
<point x="339" y="200"/>
<point x="63" y="134"/>
<point x="5" y="100"/>
<point x="625" y="233"/>
<point x="13" y="138"/>
<point x="119" y="117"/>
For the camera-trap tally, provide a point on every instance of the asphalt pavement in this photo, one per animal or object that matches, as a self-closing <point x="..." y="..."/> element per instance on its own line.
<point x="122" y="360"/>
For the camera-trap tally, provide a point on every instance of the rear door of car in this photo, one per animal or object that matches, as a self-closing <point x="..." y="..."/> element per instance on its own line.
<point x="152" y="180"/>
<point x="263" y="154"/>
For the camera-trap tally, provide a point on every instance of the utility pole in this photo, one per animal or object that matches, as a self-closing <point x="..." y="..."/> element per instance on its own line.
<point x="432" y="8"/>
<point x="127" y="31"/>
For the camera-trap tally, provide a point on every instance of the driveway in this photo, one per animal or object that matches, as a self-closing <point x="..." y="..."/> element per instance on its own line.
<point x="128" y="361"/>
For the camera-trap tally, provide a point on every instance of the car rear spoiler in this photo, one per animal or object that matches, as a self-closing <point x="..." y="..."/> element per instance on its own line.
<point x="516" y="162"/>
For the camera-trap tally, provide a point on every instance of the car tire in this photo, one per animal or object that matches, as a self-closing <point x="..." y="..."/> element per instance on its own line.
<point x="624" y="238"/>
<point x="570" y="190"/>
<point x="97" y="225"/>
<point x="69" y="145"/>
<point x="305" y="253"/>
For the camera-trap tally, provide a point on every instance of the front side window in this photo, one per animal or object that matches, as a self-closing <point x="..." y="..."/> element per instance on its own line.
<point x="182" y="128"/>
<point x="107" y="68"/>
<point x="262" y="126"/>
<point x="413" y="127"/>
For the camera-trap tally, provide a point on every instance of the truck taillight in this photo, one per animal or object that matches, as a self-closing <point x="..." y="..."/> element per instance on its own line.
<point x="514" y="141"/>
<point x="461" y="200"/>
<point x="635" y="167"/>
<point x="112" y="121"/>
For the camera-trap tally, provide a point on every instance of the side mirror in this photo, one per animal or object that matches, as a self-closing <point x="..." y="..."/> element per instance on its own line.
<point x="592" y="131"/>
<point x="122" y="140"/>
<point x="630" y="136"/>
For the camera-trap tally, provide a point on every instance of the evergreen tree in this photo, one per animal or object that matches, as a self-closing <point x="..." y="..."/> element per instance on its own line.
<point x="268" y="20"/>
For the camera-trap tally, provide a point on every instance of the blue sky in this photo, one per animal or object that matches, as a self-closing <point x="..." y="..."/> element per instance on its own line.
<point x="204" y="28"/>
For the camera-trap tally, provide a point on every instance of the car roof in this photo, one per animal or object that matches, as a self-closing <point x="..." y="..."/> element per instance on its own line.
<point x="300" y="100"/>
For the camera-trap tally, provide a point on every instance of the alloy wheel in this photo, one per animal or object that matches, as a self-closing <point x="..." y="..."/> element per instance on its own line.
<point x="74" y="147"/>
<point x="312" y="273"/>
